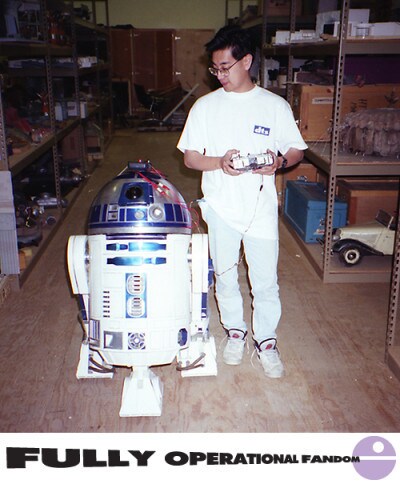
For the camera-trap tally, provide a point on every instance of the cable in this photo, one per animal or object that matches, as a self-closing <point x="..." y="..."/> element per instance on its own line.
<point x="196" y="219"/>
<point x="256" y="205"/>
<point x="247" y="229"/>
<point x="194" y="365"/>
<point x="100" y="368"/>
<point x="97" y="367"/>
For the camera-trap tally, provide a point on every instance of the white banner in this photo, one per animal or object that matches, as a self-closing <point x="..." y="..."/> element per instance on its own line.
<point x="195" y="462"/>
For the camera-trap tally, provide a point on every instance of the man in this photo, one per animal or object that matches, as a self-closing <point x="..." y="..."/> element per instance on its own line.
<point x="240" y="208"/>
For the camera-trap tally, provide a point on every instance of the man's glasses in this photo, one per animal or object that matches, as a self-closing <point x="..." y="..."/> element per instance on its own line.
<point x="223" y="71"/>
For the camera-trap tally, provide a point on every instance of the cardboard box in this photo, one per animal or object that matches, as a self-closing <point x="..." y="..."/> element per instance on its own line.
<point x="305" y="210"/>
<point x="72" y="109"/>
<point x="70" y="145"/>
<point x="94" y="141"/>
<point x="304" y="171"/>
<point x="329" y="21"/>
<point x="365" y="197"/>
<point x="388" y="29"/>
<point x="313" y="105"/>
<point x="278" y="7"/>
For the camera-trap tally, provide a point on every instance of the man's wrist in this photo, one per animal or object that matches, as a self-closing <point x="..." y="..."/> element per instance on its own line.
<point x="284" y="163"/>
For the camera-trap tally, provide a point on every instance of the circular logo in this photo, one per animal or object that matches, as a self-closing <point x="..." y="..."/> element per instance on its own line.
<point x="377" y="458"/>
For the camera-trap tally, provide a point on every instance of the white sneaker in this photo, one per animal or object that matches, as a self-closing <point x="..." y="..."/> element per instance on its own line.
<point x="234" y="349"/>
<point x="271" y="362"/>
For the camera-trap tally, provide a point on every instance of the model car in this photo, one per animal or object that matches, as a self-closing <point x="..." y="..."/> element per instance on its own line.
<point x="352" y="242"/>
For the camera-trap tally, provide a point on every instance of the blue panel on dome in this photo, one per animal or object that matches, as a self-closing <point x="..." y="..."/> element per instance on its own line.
<point x="95" y="213"/>
<point x="129" y="225"/>
<point x="169" y="212"/>
<point x="131" y="215"/>
<point x="104" y="213"/>
<point x="178" y="213"/>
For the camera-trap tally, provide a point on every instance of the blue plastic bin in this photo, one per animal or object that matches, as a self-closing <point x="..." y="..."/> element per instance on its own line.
<point x="305" y="209"/>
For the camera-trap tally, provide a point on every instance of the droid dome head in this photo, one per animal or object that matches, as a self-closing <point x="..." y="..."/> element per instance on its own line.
<point x="139" y="201"/>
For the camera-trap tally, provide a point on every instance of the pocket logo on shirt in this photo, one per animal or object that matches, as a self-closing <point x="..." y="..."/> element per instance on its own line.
<point x="261" y="130"/>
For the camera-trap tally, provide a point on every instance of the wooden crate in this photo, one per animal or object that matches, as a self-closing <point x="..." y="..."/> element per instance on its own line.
<point x="313" y="105"/>
<point x="304" y="171"/>
<point x="365" y="197"/>
<point x="190" y="61"/>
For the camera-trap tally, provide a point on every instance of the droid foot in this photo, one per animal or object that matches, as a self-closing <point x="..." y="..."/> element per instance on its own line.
<point x="91" y="365"/>
<point x="142" y="394"/>
<point x="199" y="359"/>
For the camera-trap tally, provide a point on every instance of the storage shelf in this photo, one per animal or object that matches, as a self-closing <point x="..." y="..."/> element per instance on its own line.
<point x="27" y="49"/>
<point x="90" y="26"/>
<point x="319" y="153"/>
<point x="340" y="163"/>
<point x="44" y="67"/>
<point x="27" y="72"/>
<point x="36" y="251"/>
<point x="49" y="231"/>
<point x="18" y="162"/>
<point x="29" y="154"/>
<point x="372" y="269"/>
<point x="68" y="126"/>
<point x="351" y="164"/>
<point x="278" y="20"/>
<point x="57" y="71"/>
<point x="394" y="360"/>
<point x="70" y="72"/>
<point x="370" y="46"/>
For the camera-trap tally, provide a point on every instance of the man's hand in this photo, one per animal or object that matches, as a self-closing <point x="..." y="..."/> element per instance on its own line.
<point x="226" y="163"/>
<point x="272" y="168"/>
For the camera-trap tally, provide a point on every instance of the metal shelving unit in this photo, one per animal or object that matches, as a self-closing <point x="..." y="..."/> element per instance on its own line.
<point x="98" y="38"/>
<point x="12" y="166"/>
<point x="331" y="48"/>
<point x="330" y="159"/>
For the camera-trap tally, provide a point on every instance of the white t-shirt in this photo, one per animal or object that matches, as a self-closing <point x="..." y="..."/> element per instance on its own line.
<point x="251" y="122"/>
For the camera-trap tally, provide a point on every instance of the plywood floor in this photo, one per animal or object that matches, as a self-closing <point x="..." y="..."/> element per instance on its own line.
<point x="331" y="339"/>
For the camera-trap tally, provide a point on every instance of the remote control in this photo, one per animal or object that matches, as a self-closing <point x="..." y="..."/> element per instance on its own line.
<point x="251" y="161"/>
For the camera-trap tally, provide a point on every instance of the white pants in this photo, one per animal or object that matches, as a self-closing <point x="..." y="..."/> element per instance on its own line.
<point x="262" y="261"/>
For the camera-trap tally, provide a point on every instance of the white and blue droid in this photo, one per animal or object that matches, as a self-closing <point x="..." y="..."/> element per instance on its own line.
<point x="142" y="280"/>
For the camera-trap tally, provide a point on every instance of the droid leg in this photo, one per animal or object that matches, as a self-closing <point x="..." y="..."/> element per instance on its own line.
<point x="91" y="364"/>
<point x="142" y="394"/>
<point x="199" y="358"/>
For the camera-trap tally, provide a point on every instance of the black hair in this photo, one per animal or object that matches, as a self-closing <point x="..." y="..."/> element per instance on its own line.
<point x="237" y="39"/>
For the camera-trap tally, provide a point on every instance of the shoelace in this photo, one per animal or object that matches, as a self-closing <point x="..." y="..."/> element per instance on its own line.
<point x="226" y="337"/>
<point x="251" y="358"/>
<point x="255" y="351"/>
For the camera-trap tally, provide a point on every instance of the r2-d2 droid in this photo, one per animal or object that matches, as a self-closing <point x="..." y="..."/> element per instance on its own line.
<point x="142" y="281"/>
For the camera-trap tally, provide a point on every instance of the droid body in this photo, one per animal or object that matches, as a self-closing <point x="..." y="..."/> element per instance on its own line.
<point x="142" y="280"/>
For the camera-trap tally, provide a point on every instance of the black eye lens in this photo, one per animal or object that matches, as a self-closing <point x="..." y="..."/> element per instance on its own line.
<point x="133" y="193"/>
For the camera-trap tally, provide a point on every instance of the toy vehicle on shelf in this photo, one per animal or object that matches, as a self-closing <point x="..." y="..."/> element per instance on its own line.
<point x="353" y="242"/>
